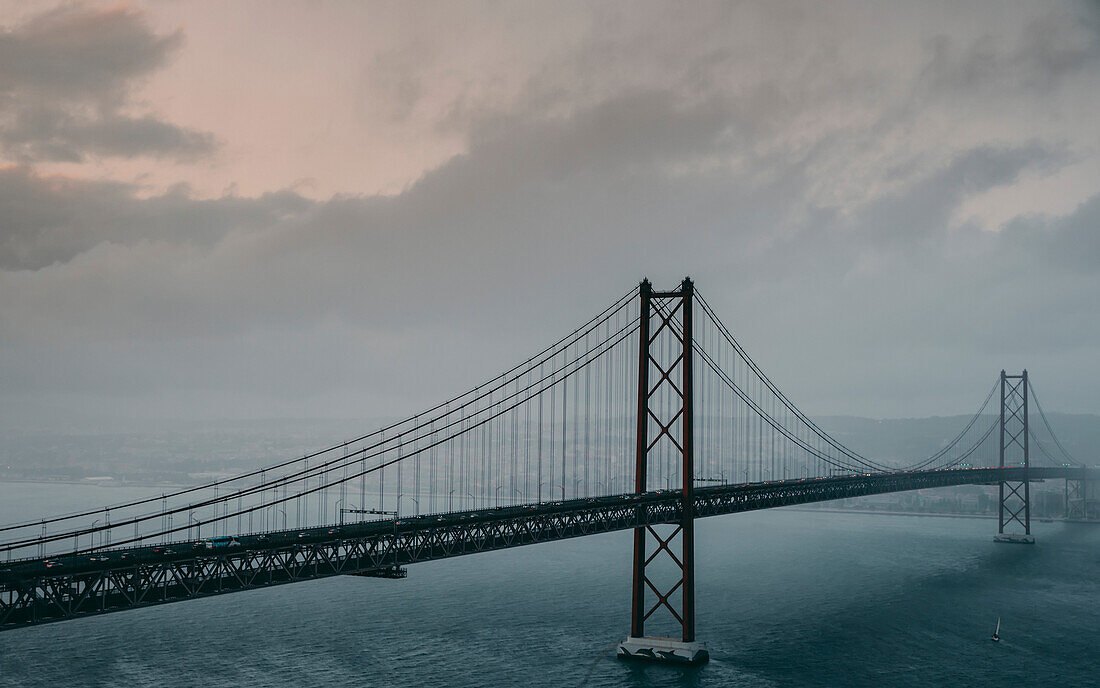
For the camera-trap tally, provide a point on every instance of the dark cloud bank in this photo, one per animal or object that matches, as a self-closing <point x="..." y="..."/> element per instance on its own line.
<point x="65" y="81"/>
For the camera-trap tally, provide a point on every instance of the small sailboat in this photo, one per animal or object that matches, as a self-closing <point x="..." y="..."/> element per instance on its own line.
<point x="997" y="633"/>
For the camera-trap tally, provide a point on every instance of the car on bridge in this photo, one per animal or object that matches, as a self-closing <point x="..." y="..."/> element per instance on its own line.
<point x="222" y="542"/>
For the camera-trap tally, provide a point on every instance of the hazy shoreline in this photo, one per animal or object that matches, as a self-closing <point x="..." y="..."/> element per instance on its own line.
<point x="879" y="512"/>
<point x="93" y="483"/>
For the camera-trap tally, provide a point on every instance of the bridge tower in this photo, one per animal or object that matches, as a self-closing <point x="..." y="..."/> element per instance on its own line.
<point x="1014" y="510"/>
<point x="1077" y="500"/>
<point x="1081" y="498"/>
<point x="662" y="405"/>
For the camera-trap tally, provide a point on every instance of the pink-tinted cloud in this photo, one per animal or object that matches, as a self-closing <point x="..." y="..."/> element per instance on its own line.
<point x="66" y="80"/>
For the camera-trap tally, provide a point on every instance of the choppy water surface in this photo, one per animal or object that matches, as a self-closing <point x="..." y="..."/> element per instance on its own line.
<point x="786" y="598"/>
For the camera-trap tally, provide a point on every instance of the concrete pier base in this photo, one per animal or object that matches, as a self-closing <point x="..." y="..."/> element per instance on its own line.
<point x="1015" y="538"/>
<point x="663" y="650"/>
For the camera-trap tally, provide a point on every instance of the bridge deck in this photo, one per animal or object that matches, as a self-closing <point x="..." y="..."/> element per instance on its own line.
<point x="64" y="587"/>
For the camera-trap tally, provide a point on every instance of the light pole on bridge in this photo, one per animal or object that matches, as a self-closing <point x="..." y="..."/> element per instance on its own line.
<point x="380" y="512"/>
<point x="397" y="511"/>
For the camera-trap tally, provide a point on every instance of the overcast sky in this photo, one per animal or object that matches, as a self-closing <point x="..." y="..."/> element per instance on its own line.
<point x="351" y="209"/>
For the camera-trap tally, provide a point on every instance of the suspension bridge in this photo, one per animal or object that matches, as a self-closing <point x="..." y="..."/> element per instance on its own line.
<point x="647" y="417"/>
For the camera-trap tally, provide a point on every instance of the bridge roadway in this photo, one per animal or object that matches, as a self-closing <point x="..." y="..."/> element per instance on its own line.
<point x="64" y="587"/>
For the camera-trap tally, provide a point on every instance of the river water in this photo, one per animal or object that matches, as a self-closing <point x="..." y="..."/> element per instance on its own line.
<point x="785" y="598"/>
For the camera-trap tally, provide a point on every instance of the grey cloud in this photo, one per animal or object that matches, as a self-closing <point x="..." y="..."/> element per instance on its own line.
<point x="1062" y="42"/>
<point x="50" y="220"/>
<point x="66" y="75"/>
<point x="394" y="73"/>
<point x="44" y="134"/>
<point x="382" y="304"/>
<point x="921" y="211"/>
<point x="1071" y="242"/>
<point x="489" y="256"/>
<point x="78" y="53"/>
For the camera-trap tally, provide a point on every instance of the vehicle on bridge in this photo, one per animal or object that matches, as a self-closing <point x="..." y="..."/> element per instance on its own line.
<point x="222" y="542"/>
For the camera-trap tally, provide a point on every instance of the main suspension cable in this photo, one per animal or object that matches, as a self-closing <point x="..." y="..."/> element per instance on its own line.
<point x="552" y="350"/>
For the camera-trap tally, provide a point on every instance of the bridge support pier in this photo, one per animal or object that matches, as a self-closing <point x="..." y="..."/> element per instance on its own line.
<point x="1014" y="509"/>
<point x="664" y="650"/>
<point x="677" y="410"/>
<point x="1080" y="505"/>
<point x="1076" y="499"/>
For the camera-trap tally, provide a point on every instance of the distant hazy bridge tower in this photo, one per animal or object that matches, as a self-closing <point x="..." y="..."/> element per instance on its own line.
<point x="1077" y="500"/>
<point x="1014" y="510"/>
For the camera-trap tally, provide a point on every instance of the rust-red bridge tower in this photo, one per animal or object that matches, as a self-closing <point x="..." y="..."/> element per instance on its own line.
<point x="665" y="416"/>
